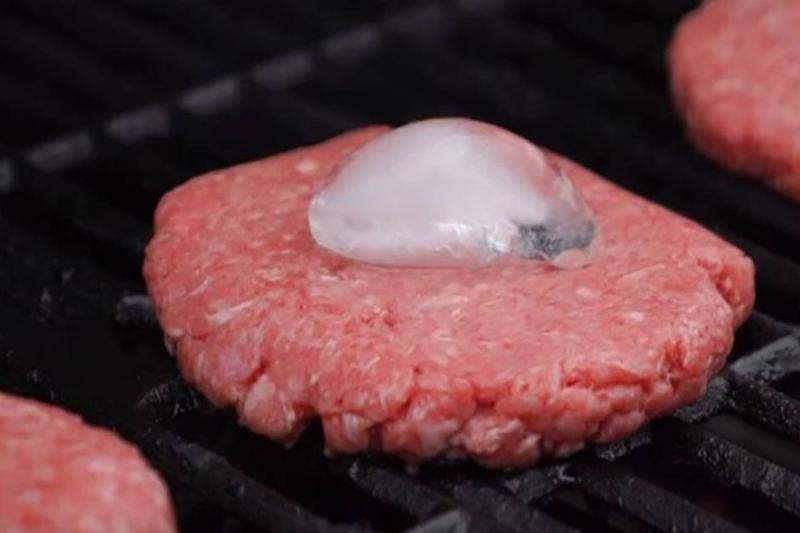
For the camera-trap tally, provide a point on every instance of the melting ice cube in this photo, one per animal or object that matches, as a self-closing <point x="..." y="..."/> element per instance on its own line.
<point x="452" y="192"/>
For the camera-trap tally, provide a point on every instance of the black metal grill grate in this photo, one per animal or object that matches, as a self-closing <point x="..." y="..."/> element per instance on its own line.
<point x="585" y="78"/>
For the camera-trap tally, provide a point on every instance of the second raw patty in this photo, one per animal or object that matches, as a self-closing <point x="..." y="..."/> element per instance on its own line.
<point x="735" y="68"/>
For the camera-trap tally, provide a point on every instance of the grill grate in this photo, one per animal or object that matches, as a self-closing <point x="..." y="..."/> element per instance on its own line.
<point x="75" y="214"/>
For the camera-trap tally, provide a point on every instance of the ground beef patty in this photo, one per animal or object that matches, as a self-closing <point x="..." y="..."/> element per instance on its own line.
<point x="502" y="363"/>
<point x="57" y="474"/>
<point x="735" y="68"/>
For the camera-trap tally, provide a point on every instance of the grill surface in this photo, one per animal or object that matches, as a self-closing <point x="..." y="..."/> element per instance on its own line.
<point x="584" y="78"/>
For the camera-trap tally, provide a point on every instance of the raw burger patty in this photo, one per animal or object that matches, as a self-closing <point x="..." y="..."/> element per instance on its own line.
<point x="502" y="363"/>
<point x="736" y="79"/>
<point x="58" y="474"/>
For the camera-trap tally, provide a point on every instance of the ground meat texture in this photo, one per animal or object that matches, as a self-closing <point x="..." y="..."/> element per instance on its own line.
<point x="502" y="364"/>
<point x="735" y="67"/>
<point x="58" y="474"/>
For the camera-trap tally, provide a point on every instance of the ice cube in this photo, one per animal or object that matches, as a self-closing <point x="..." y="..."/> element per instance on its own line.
<point x="452" y="192"/>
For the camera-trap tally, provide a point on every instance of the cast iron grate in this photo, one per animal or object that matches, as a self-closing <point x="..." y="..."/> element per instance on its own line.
<point x="585" y="78"/>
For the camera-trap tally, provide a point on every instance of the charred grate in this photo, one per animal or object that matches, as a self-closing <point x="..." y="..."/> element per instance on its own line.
<point x="582" y="77"/>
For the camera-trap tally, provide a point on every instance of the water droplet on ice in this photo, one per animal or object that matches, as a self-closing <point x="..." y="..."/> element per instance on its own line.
<point x="452" y="192"/>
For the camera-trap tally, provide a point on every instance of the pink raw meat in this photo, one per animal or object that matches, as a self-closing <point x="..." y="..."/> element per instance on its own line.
<point x="58" y="474"/>
<point x="735" y="67"/>
<point x="502" y="364"/>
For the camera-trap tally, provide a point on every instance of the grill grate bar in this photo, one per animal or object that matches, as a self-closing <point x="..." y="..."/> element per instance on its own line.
<point x="399" y="491"/>
<point x="735" y="466"/>
<point x="771" y="363"/>
<point x="213" y="477"/>
<point x="424" y="503"/>
<point x="166" y="401"/>
<point x="744" y="389"/>
<point x="451" y="521"/>
<point x="643" y="500"/>
<point x="484" y="507"/>
<point x="536" y="484"/>
<point x="634" y="496"/>
<point x="765" y="405"/>
<point x="504" y="507"/>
